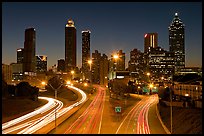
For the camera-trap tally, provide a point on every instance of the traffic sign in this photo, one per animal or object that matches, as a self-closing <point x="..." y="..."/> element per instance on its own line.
<point x="117" y="109"/>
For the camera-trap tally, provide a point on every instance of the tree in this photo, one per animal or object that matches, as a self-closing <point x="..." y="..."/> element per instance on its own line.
<point x="24" y="89"/>
<point x="119" y="87"/>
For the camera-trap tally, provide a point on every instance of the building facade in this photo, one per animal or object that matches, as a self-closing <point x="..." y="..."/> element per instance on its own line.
<point x="150" y="40"/>
<point x="17" y="71"/>
<point x="104" y="70"/>
<point x="6" y="72"/>
<point x="86" y="54"/>
<point x="177" y="42"/>
<point x="61" y="65"/>
<point x="70" y="46"/>
<point x="41" y="63"/>
<point x="160" y="63"/>
<point x="96" y="57"/>
<point x="20" y="55"/>
<point x="29" y="59"/>
<point x="136" y="64"/>
<point x="116" y="63"/>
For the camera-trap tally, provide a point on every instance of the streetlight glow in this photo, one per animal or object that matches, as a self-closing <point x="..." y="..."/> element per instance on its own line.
<point x="148" y="74"/>
<point x="68" y="82"/>
<point x="90" y="61"/>
<point x="85" y="84"/>
<point x="151" y="86"/>
<point x="72" y="72"/>
<point x="43" y="83"/>
<point x="115" y="56"/>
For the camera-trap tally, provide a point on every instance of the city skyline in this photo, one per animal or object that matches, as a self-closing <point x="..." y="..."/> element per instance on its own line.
<point x="114" y="26"/>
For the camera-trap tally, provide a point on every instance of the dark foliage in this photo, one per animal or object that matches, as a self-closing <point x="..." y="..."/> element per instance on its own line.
<point x="24" y="89"/>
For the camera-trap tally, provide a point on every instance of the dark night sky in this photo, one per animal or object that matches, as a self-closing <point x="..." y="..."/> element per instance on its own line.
<point x="113" y="26"/>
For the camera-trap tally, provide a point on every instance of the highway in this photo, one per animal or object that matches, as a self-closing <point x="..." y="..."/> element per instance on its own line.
<point x="136" y="121"/>
<point x="41" y="117"/>
<point x="89" y="122"/>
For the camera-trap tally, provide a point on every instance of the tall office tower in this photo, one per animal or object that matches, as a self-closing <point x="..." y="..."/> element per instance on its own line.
<point x="176" y="42"/>
<point x="136" y="63"/>
<point x="20" y="55"/>
<point x="85" y="53"/>
<point x="29" y="62"/>
<point x="96" y="56"/>
<point x="41" y="63"/>
<point x="61" y="65"/>
<point x="150" y="40"/>
<point x="104" y="70"/>
<point x="70" y="46"/>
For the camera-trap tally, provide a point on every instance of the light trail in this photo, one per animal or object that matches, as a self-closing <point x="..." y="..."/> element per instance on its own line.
<point x="88" y="120"/>
<point x="34" y="125"/>
<point x="137" y="118"/>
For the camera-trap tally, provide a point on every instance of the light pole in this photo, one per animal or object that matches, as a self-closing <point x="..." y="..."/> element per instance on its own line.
<point x="55" y="98"/>
<point x="90" y="62"/>
<point x="151" y="86"/>
<point x="171" y="112"/>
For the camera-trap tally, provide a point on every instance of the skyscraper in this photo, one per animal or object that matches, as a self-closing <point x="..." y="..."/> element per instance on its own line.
<point x="20" y="55"/>
<point x="176" y="42"/>
<point x="85" y="52"/>
<point x="70" y="45"/>
<point x="150" y="40"/>
<point x="29" y="62"/>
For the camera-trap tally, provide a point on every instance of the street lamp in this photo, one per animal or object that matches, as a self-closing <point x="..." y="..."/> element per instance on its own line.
<point x="55" y="98"/>
<point x="148" y="74"/>
<point x="90" y="62"/>
<point x="85" y="84"/>
<point x="151" y="86"/>
<point x="43" y="83"/>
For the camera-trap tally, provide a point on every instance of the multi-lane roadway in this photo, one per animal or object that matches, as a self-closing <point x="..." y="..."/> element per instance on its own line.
<point x="41" y="117"/>
<point x="141" y="118"/>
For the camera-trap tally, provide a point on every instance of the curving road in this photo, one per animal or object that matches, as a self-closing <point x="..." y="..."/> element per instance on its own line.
<point x="136" y="121"/>
<point x="34" y="121"/>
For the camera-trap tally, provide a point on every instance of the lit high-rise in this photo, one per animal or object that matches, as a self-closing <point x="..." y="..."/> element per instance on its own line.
<point x="85" y="53"/>
<point x="70" y="45"/>
<point x="177" y="42"/>
<point x="150" y="40"/>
